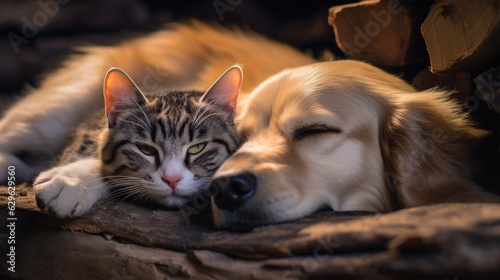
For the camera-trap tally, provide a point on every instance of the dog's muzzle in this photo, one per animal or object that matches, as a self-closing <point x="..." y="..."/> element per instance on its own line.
<point x="231" y="192"/>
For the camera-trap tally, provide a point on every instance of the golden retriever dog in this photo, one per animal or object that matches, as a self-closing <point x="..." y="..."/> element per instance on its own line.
<point x="348" y="136"/>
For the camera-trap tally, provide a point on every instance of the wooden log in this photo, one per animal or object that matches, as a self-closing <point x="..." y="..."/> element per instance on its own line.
<point x="462" y="35"/>
<point x="381" y="32"/>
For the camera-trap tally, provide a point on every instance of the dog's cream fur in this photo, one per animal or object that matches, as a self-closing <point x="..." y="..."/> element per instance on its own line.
<point x="385" y="145"/>
<point x="382" y="145"/>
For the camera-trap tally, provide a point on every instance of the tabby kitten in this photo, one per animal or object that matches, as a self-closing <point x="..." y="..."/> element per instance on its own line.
<point x="164" y="147"/>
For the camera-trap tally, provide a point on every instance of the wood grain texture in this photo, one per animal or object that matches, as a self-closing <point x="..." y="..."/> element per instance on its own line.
<point x="462" y="35"/>
<point x="381" y="32"/>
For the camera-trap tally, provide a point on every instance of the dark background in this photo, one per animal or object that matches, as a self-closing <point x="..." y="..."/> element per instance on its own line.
<point x="302" y="24"/>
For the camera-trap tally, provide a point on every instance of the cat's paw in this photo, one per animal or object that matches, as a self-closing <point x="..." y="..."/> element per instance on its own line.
<point x="64" y="192"/>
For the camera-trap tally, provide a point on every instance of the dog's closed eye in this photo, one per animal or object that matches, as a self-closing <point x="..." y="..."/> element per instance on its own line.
<point x="313" y="130"/>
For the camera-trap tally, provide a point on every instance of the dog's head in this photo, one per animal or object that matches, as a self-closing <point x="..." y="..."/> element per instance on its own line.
<point x="318" y="136"/>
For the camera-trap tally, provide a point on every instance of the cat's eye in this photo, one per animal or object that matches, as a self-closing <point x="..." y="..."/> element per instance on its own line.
<point x="147" y="150"/>
<point x="193" y="150"/>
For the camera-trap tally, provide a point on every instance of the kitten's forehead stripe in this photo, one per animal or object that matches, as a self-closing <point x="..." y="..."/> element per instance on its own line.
<point x="163" y="131"/>
<point x="153" y="132"/>
<point x="182" y="128"/>
<point x="191" y="133"/>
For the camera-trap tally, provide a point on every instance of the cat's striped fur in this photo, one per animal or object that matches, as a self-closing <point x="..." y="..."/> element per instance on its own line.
<point x="173" y="123"/>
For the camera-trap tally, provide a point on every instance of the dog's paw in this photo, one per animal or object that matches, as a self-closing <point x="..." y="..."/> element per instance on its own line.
<point x="62" y="192"/>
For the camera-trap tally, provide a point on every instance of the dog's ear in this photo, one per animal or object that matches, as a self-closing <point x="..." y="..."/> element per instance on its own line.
<point x="426" y="143"/>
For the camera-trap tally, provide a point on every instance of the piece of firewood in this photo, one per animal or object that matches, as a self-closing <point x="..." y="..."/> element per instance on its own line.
<point x="381" y="32"/>
<point x="462" y="35"/>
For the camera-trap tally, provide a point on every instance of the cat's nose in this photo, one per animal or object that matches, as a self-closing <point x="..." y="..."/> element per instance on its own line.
<point x="172" y="180"/>
<point x="231" y="192"/>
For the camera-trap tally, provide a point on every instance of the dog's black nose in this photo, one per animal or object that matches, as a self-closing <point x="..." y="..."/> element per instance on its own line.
<point x="231" y="192"/>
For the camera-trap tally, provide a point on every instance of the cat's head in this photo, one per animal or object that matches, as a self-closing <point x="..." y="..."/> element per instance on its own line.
<point x="167" y="146"/>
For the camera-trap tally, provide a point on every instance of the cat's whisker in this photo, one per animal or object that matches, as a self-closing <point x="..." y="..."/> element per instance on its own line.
<point x="132" y="184"/>
<point x="196" y="123"/>
<point x="127" y="179"/>
<point x="195" y="115"/>
<point x="126" y="197"/>
<point x="198" y="109"/>
<point x="113" y="183"/>
<point x="213" y="114"/>
<point x="207" y="109"/>
<point x="117" y="176"/>
<point x="125" y="193"/>
<point x="207" y="106"/>
<point x="134" y="123"/>
<point x="124" y="188"/>
<point x="139" y="119"/>
<point x="91" y="184"/>
<point x="146" y="125"/>
<point x="122" y="193"/>
<point x="139" y="197"/>
<point x="123" y="177"/>
<point x="144" y="113"/>
<point x="125" y="183"/>
<point x="111" y="197"/>
<point x="97" y="186"/>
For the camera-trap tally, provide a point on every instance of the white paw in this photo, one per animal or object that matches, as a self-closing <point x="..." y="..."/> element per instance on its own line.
<point x="63" y="192"/>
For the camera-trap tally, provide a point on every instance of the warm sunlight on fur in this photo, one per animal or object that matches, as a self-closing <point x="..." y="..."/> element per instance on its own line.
<point x="348" y="136"/>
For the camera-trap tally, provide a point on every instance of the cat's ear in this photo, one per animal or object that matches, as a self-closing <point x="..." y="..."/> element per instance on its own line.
<point x="120" y="92"/>
<point x="224" y="92"/>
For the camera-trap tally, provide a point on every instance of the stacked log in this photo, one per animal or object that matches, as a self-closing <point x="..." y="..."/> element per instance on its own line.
<point x="455" y="43"/>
